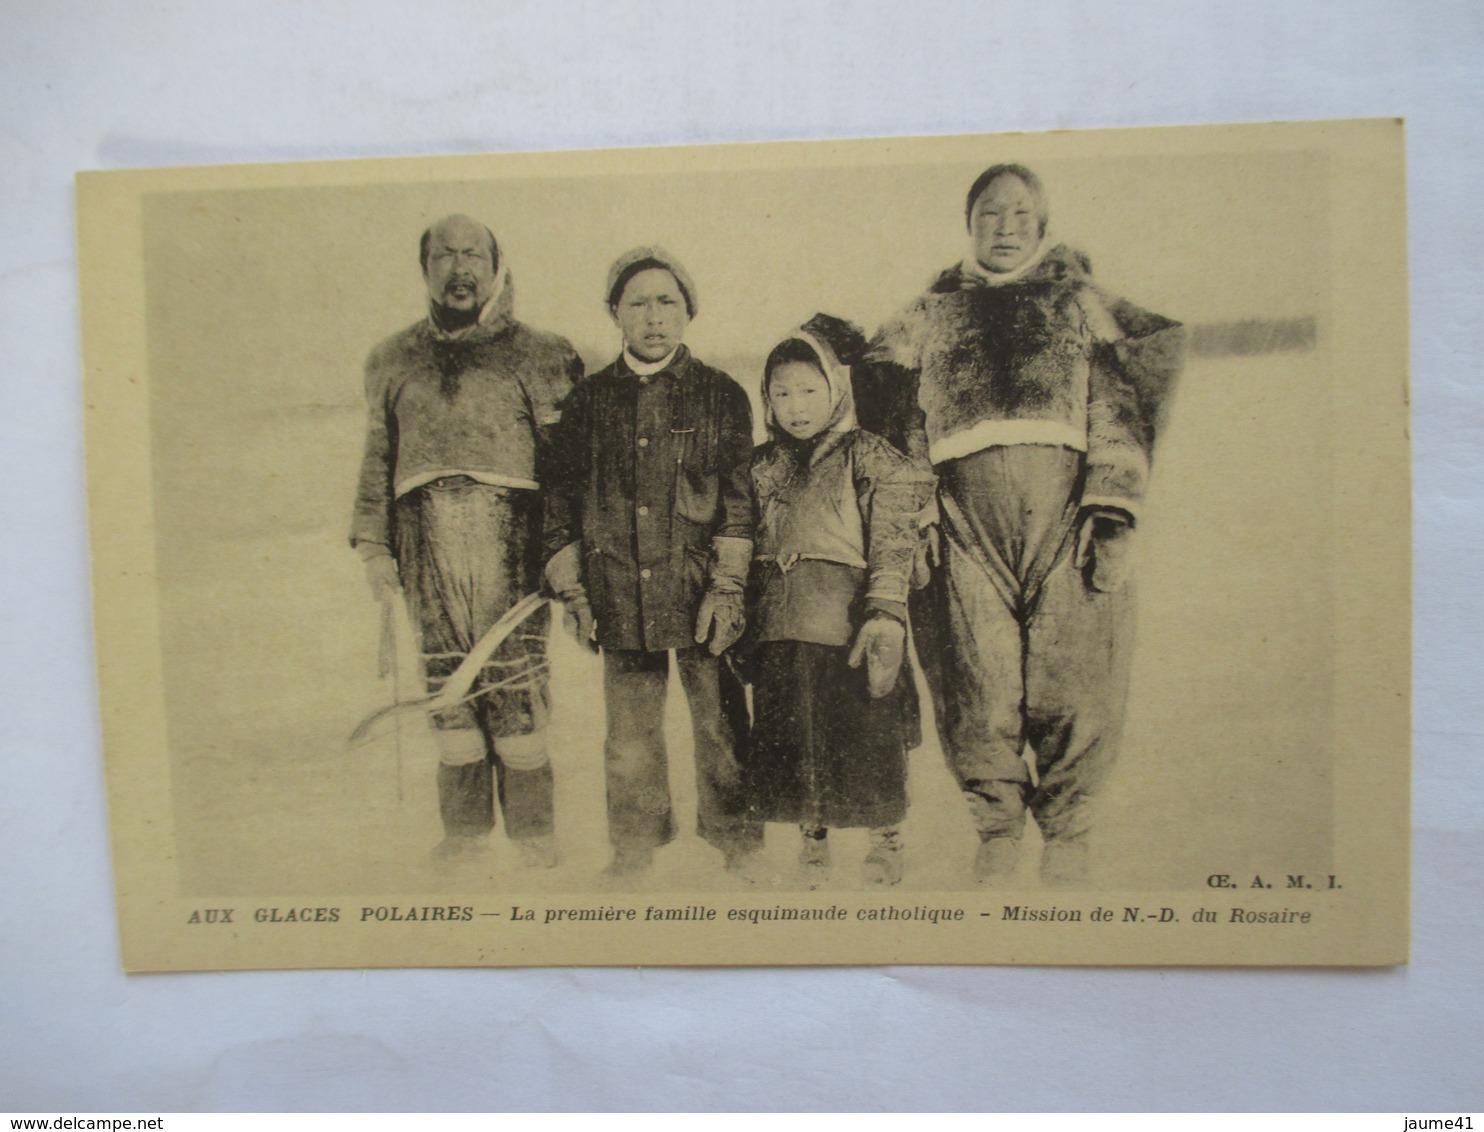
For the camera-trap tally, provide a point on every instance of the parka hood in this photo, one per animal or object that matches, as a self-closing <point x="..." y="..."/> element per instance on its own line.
<point x="497" y="314"/>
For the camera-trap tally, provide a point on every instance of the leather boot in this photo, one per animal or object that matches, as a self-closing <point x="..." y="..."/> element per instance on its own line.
<point x="466" y="799"/>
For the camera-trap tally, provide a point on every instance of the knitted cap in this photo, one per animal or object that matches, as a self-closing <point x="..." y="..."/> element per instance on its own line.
<point x="628" y="265"/>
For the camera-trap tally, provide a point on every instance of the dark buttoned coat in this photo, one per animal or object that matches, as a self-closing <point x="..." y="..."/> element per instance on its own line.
<point x="647" y="471"/>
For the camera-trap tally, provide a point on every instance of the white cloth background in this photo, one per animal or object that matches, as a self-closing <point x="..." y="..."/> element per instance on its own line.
<point x="86" y="84"/>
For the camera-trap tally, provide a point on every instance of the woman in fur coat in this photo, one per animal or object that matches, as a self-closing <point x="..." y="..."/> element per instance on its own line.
<point x="836" y="535"/>
<point x="1037" y="398"/>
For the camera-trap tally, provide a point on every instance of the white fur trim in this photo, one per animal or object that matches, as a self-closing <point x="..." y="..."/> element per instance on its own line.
<point x="460" y="746"/>
<point x="996" y="434"/>
<point x="501" y="283"/>
<point x="1112" y="503"/>
<point x="493" y="479"/>
<point x="523" y="752"/>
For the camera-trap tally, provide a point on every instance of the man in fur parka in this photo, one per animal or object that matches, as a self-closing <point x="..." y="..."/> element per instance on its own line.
<point x="448" y="513"/>
<point x="1037" y="397"/>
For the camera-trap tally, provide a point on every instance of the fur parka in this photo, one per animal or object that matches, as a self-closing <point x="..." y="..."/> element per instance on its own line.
<point x="1048" y="358"/>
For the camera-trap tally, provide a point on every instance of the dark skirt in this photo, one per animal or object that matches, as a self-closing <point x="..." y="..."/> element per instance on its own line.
<point x="467" y="552"/>
<point x="823" y="752"/>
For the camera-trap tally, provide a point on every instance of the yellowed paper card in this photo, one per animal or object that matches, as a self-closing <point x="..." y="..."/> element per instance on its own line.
<point x="1133" y="415"/>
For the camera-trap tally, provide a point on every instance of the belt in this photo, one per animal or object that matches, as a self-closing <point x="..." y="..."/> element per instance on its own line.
<point x="786" y="562"/>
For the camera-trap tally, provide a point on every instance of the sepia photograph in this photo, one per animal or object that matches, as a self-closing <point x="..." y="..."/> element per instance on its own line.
<point x="974" y="549"/>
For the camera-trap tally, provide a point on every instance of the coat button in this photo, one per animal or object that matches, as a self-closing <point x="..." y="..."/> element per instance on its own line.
<point x="643" y="510"/>
<point x="644" y="573"/>
<point x="644" y="442"/>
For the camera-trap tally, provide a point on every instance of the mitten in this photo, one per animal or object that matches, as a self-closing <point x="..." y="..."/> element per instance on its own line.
<point x="1103" y="551"/>
<point x="881" y="643"/>
<point x="564" y="577"/>
<point x="722" y="618"/>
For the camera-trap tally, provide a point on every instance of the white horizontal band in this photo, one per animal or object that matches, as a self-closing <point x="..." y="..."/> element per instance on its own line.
<point x="493" y="479"/>
<point x="460" y="746"/>
<point x="1111" y="503"/>
<point x="786" y="562"/>
<point x="995" y="434"/>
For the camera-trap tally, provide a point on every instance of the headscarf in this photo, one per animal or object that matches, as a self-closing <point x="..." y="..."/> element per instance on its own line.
<point x="830" y="341"/>
<point x="971" y="265"/>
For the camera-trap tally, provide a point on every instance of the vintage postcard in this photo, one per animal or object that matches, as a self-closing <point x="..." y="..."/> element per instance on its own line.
<point x="985" y="549"/>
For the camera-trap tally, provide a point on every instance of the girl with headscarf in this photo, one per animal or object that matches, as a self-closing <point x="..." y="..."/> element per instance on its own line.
<point x="835" y="713"/>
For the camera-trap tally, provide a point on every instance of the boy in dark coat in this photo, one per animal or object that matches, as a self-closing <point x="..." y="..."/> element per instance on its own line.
<point x="650" y="535"/>
<point x="836" y="537"/>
